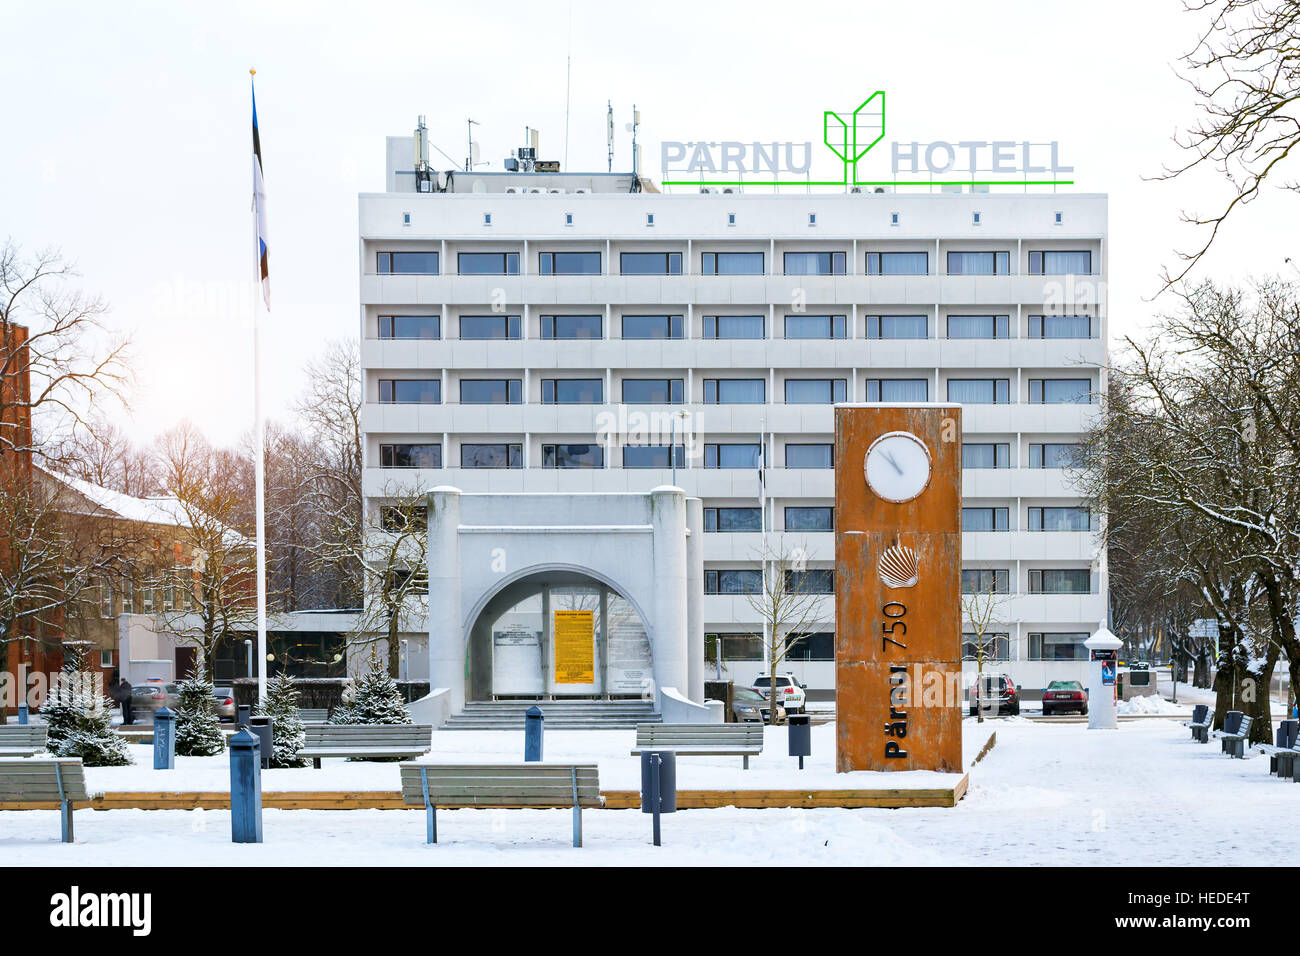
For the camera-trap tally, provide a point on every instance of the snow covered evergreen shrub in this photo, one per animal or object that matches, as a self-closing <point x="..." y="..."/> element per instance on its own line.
<point x="198" y="731"/>
<point x="376" y="699"/>
<point x="287" y="733"/>
<point x="79" y="720"/>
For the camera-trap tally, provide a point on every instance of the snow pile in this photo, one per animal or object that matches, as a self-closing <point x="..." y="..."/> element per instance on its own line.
<point x="1148" y="705"/>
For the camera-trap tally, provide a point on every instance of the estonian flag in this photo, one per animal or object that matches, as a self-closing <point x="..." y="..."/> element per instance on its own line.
<point x="259" y="206"/>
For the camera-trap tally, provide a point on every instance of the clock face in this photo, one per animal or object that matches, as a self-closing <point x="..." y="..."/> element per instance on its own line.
<point x="898" y="466"/>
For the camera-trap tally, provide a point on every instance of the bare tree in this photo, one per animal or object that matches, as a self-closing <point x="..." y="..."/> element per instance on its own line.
<point x="53" y="338"/>
<point x="1245" y="72"/>
<point x="983" y="608"/>
<point x="787" y="606"/>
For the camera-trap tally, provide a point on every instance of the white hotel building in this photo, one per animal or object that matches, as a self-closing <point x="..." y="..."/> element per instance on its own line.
<point x="508" y="318"/>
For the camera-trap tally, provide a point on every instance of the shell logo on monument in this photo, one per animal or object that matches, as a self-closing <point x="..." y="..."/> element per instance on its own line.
<point x="898" y="567"/>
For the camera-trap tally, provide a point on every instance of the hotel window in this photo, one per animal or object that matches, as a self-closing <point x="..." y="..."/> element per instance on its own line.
<point x="1060" y="391"/>
<point x="1060" y="519"/>
<point x="979" y="263"/>
<point x="105" y="598"/>
<point x="491" y="391"/>
<point x="898" y="327"/>
<point x="653" y="456"/>
<point x="1060" y="326"/>
<point x="814" y="263"/>
<point x="1060" y="263"/>
<point x="733" y="582"/>
<point x="979" y="391"/>
<point x="652" y="326"/>
<point x="573" y="391"/>
<point x="491" y="456"/>
<point x="410" y="456"/>
<point x="809" y="519"/>
<point x="979" y="326"/>
<point x="572" y="326"/>
<point x="810" y="456"/>
<point x="731" y="263"/>
<point x="1058" y="647"/>
<point x="733" y="455"/>
<point x="568" y="263"/>
<point x="819" y="646"/>
<point x="997" y="646"/>
<point x="573" y="456"/>
<point x="986" y="581"/>
<point x="815" y="391"/>
<point x="984" y="519"/>
<point x="732" y="519"/>
<point x="1060" y="581"/>
<point x="898" y="263"/>
<point x="415" y="391"/>
<point x="408" y="263"/>
<point x="734" y="327"/>
<point x="898" y="390"/>
<point x="985" y="455"/>
<point x="1054" y="454"/>
<point x="811" y="581"/>
<point x="489" y="327"/>
<point x="488" y="263"/>
<point x="652" y="391"/>
<point x="735" y="391"/>
<point x="650" y="263"/>
<point x="735" y="647"/>
<point x="814" y="326"/>
<point x="399" y="518"/>
<point x="409" y="326"/>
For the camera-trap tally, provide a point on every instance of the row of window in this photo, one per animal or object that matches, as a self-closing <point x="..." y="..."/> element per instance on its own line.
<point x="822" y="518"/>
<point x="733" y="391"/>
<point x="820" y="646"/>
<point x="716" y="455"/>
<point x="973" y="581"/>
<point x="746" y="327"/>
<point x="1074" y="262"/>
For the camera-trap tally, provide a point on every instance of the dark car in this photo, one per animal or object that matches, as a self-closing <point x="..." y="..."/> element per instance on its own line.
<point x="752" y="707"/>
<point x="994" y="694"/>
<point x="1063" y="695"/>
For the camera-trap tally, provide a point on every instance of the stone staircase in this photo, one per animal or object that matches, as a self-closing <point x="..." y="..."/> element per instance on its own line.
<point x="560" y="714"/>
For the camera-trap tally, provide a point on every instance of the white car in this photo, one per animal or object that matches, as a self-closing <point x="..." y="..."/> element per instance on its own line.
<point x="790" y="693"/>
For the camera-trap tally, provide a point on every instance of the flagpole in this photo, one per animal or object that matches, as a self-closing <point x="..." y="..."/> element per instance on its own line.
<point x="259" y="463"/>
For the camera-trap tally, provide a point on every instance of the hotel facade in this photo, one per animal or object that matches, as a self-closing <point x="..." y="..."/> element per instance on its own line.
<point x="568" y="332"/>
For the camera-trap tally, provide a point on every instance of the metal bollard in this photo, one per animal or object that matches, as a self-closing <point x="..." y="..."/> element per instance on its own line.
<point x="245" y="788"/>
<point x="22" y="713"/>
<point x="164" y="740"/>
<point x="658" y="785"/>
<point x="533" y="721"/>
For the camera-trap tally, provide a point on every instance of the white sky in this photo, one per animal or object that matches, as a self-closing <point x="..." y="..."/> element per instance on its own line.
<point x="128" y="136"/>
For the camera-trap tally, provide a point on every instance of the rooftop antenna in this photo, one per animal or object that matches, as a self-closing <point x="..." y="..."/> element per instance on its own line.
<point x="471" y="158"/>
<point x="631" y="128"/>
<point x="609" y="132"/>
<point x="422" y="172"/>
<point x="568" y="76"/>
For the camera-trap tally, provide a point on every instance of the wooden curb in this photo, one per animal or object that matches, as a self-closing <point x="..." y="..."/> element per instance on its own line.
<point x="614" y="799"/>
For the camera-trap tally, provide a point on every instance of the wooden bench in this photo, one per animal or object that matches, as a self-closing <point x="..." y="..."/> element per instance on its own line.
<point x="366" y="740"/>
<point x="58" y="780"/>
<point x="1236" y="744"/>
<point x="313" y="715"/>
<point x="536" y="785"/>
<point x="702" y="740"/>
<point x="1200" y="723"/>
<point x="22" y="740"/>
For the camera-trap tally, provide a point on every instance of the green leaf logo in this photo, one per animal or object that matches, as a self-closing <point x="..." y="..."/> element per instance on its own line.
<point x="853" y="138"/>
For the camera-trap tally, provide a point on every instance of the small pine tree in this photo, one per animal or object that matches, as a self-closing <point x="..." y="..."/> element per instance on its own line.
<point x="376" y="699"/>
<point x="287" y="733"/>
<point x="198" y="731"/>
<point x="79" y="721"/>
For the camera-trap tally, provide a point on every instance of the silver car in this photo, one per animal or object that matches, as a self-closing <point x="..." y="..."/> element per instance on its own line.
<point x="224" y="702"/>
<point x="749" y="706"/>
<point x="147" y="699"/>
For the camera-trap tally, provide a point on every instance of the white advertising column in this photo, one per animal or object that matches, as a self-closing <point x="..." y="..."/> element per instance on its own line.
<point x="669" y="637"/>
<point x="1103" y="651"/>
<point x="694" y="602"/>
<point x="446" y="637"/>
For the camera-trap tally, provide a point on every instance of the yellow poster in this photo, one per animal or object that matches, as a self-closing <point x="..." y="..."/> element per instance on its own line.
<point x="575" y="647"/>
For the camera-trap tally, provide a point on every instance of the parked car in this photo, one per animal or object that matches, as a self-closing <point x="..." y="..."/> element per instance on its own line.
<point x="1063" y="695"/>
<point x="225" y="702"/>
<point x="749" y="706"/>
<point x="153" y="696"/>
<point x="789" y="692"/>
<point x="996" y="694"/>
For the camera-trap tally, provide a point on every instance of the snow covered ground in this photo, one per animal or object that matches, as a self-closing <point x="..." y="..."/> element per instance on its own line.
<point x="1048" y="793"/>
